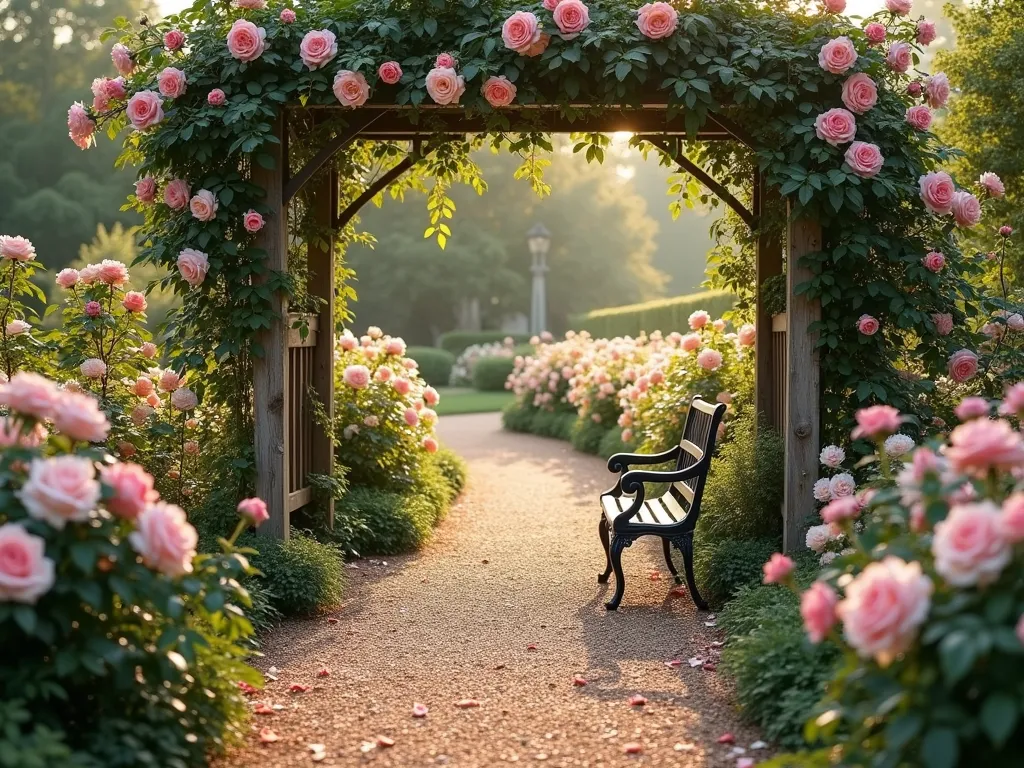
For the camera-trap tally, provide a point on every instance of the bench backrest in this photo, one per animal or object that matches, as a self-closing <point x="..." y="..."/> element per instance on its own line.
<point x="699" y="434"/>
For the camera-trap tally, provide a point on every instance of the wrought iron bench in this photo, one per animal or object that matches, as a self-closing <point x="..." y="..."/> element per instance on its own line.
<point x="627" y="515"/>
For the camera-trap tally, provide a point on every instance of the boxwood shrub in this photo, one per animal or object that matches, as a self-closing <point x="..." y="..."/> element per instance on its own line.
<point x="491" y="373"/>
<point x="301" y="576"/>
<point x="435" y="364"/>
<point x="457" y="341"/>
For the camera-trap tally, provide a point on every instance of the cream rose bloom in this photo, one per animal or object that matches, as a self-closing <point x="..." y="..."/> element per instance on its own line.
<point x="60" y="489"/>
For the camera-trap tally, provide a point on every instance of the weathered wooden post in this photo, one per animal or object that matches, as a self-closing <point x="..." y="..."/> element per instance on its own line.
<point x="768" y="264"/>
<point x="270" y="369"/>
<point x="803" y="390"/>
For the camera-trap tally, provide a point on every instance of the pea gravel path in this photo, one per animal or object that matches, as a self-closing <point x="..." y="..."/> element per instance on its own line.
<point x="513" y="566"/>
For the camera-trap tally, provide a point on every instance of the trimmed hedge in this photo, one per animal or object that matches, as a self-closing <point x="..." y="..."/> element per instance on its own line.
<point x="435" y="364"/>
<point x="457" y="341"/>
<point x="300" y="576"/>
<point x="664" y="315"/>
<point x="491" y="373"/>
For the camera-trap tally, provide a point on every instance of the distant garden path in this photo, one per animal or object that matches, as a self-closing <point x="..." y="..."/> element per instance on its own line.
<point x="513" y="566"/>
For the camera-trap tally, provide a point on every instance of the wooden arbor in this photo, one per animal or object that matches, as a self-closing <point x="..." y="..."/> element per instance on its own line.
<point x="289" y="445"/>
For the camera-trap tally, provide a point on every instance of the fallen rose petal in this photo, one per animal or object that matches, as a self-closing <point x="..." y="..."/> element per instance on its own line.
<point x="419" y="710"/>
<point x="247" y="689"/>
<point x="745" y="762"/>
<point x="467" y="703"/>
<point x="636" y="700"/>
<point x="578" y="681"/>
<point x="674" y="664"/>
<point x="710" y="623"/>
<point x="324" y="672"/>
<point x="759" y="745"/>
<point x="264" y="709"/>
<point x="273" y="670"/>
<point x="655" y="576"/>
<point x="298" y="688"/>
<point x="531" y="647"/>
<point x="726" y="738"/>
<point x="267" y="735"/>
<point x="633" y="748"/>
<point x="695" y="662"/>
<point x="332" y="620"/>
<point x="367" y="746"/>
<point x="385" y="741"/>
<point x="737" y="751"/>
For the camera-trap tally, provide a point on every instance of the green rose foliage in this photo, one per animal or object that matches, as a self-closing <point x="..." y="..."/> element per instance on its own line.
<point x="754" y="64"/>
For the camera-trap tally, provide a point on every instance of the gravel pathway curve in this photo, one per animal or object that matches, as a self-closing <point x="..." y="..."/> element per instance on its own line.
<point x="502" y="608"/>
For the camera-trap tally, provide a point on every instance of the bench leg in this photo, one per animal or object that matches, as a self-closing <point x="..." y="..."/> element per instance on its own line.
<point x="667" y="546"/>
<point x="619" y="543"/>
<point x="602" y="530"/>
<point x="685" y="545"/>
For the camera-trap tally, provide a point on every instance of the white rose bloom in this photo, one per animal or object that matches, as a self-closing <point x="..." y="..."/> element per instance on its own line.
<point x="818" y="537"/>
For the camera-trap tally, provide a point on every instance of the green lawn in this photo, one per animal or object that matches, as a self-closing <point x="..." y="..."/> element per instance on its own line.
<point x="464" y="400"/>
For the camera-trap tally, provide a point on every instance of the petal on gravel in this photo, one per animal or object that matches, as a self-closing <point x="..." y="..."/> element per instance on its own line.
<point x="759" y="745"/>
<point x="385" y="741"/>
<point x="678" y="592"/>
<point x="325" y="672"/>
<point x="531" y="647"/>
<point x="745" y="762"/>
<point x="633" y="748"/>
<point x="332" y="620"/>
<point x="467" y="703"/>
<point x="695" y="661"/>
<point x="419" y="710"/>
<point x="579" y="681"/>
<point x="674" y="664"/>
<point x="636" y="700"/>
<point x="298" y="688"/>
<point x="245" y="688"/>
<point x="726" y="738"/>
<point x="655" y="576"/>
<point x="268" y="735"/>
<point x="264" y="709"/>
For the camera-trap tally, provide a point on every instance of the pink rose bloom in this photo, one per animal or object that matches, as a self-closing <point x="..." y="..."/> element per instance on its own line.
<point x="133" y="489"/>
<point x="837" y="126"/>
<point x="859" y="93"/>
<point x="430" y="443"/>
<point x="402" y="386"/>
<point x="254" y="510"/>
<point x="251" y="5"/>
<point x="841" y="509"/>
<point x="148" y="349"/>
<point x="841" y="486"/>
<point x="390" y="72"/>
<point x="992" y="184"/>
<point x="80" y="126"/>
<point x="875" y="33"/>
<point x="153" y="400"/>
<point x="937" y="190"/>
<point x="837" y="56"/>
<point x="193" y="266"/>
<point x="445" y="86"/>
<point x="1004" y="231"/>
<point x="145" y="109"/>
<point x="93" y="308"/>
<point x="169" y="380"/>
<point x="347" y="341"/>
<point x="899" y="7"/>
<point x="926" y="33"/>
<point x="67" y="278"/>
<point x="79" y="417"/>
<point x="883" y="608"/>
<point x="778" y="569"/>
<point x="864" y="159"/>
<point x="395" y="347"/>
<point x="124" y="61"/>
<point x="521" y="31"/>
<point x="867" y="325"/>
<point x="176" y="194"/>
<point x="981" y="445"/>
<point x="969" y="547"/>
<point x="216" y="98"/>
<point x="112" y="272"/>
<point x="174" y="40"/>
<point x="445" y="61"/>
<point x="357" y="376"/>
<point x="747" y="335"/>
<point x="1011" y="518"/>
<point x="962" y="365"/>
<point x="203" y="205"/>
<point x="412" y="417"/>
<point x="16" y="248"/>
<point x="899" y="57"/>
<point x="972" y="408"/>
<point x="318" y="48"/>
<point x="818" y="609"/>
<point x="246" y="41"/>
<point x="105" y="90"/>
<point x="934" y="261"/>
<point x="657" y="20"/>
<point x="709" y="359"/>
<point x="876" y="421"/>
<point x="914" y="88"/>
<point x="17" y="327"/>
<point x="140" y="413"/>
<point x="252" y="221"/>
<point x="834" y="6"/>
<point x="383" y="374"/>
<point x="690" y="342"/>
<point x="134" y="301"/>
<point x="539" y="47"/>
<point x="145" y="189"/>
<point x="59" y="490"/>
<point x="171" y="82"/>
<point x="943" y="323"/>
<point x="26" y="574"/>
<point x="499" y="91"/>
<point x="1013" y="401"/>
<point x="351" y="88"/>
<point x="143" y="387"/>
<point x="30" y="394"/>
<point x="920" y="117"/>
<point x="431" y="397"/>
<point x="936" y="90"/>
<point x="184" y="399"/>
<point x="164" y="539"/>
<point x="966" y="209"/>
<point x="549" y="5"/>
<point x="93" y="368"/>
<point x="698" y="320"/>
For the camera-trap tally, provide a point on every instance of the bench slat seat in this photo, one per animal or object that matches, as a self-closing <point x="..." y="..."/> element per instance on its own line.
<point x="626" y="514"/>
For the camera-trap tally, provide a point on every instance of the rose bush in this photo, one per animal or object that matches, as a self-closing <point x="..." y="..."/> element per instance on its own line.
<point x="462" y="371"/>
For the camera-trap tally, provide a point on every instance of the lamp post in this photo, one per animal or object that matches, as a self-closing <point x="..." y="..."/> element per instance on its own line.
<point x="539" y="240"/>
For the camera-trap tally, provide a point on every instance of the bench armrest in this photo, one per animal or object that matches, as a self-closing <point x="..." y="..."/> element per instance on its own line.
<point x="633" y="481"/>
<point x="620" y="462"/>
